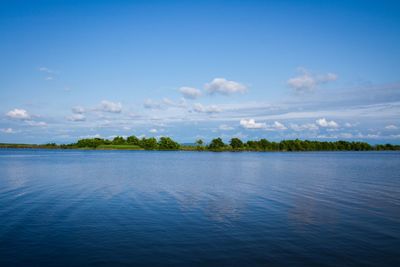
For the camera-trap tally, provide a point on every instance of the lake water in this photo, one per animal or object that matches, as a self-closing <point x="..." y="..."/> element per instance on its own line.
<point x="138" y="208"/>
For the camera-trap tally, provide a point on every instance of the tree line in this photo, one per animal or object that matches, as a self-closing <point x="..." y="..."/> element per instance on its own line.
<point x="235" y="144"/>
<point x="164" y="143"/>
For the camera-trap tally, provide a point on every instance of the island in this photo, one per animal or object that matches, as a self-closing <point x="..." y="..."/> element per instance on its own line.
<point x="216" y="145"/>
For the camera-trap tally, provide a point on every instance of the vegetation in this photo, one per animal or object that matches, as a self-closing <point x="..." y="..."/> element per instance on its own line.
<point x="119" y="147"/>
<point x="132" y="142"/>
<point x="199" y="145"/>
<point x="168" y="143"/>
<point x="217" y="144"/>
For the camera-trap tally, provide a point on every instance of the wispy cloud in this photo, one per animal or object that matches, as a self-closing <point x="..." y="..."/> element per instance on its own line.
<point x="225" y="127"/>
<point x="176" y="104"/>
<point x="109" y="106"/>
<point x="50" y="74"/>
<point x="391" y="127"/>
<point x="164" y="104"/>
<point x="7" y="130"/>
<point x="304" y="127"/>
<point x="78" y="110"/>
<point x="307" y="81"/>
<point x="76" y="117"/>
<point x="151" y="104"/>
<point x="46" y="70"/>
<point x="206" y="109"/>
<point x="36" y="123"/>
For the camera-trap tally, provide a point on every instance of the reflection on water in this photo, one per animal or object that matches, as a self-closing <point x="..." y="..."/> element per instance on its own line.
<point x="74" y="208"/>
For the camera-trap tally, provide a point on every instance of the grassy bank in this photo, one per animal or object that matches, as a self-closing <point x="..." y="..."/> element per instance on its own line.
<point x="119" y="147"/>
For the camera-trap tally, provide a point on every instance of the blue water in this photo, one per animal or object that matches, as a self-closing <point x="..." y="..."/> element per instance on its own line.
<point x="136" y="208"/>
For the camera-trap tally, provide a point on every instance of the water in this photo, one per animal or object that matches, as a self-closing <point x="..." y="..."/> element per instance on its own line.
<point x="136" y="208"/>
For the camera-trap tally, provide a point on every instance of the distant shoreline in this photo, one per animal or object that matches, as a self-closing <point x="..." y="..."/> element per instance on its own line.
<point x="191" y="150"/>
<point x="133" y="143"/>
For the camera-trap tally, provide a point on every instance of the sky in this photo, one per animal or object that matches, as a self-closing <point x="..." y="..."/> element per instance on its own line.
<point x="317" y="70"/>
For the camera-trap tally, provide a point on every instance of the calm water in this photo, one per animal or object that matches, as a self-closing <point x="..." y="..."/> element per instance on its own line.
<point x="119" y="208"/>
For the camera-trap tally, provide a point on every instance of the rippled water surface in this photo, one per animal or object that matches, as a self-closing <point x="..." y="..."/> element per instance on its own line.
<point x="119" y="208"/>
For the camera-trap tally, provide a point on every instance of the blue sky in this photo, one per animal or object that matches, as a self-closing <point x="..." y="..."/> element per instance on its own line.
<point x="321" y="70"/>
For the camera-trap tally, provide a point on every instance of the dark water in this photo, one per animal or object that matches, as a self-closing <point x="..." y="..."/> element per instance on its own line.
<point x="120" y="208"/>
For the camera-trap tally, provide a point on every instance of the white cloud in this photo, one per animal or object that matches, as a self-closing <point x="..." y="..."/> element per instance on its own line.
<point x="303" y="127"/>
<point x="252" y="124"/>
<point x="225" y="87"/>
<point x="391" y="127"/>
<point x="78" y="110"/>
<point x="37" y="123"/>
<point x="76" y="117"/>
<point x="302" y="82"/>
<point x="17" y="113"/>
<point x="326" y="124"/>
<point x="7" y="130"/>
<point x="190" y="92"/>
<point x="276" y="126"/>
<point x="308" y="81"/>
<point x="224" y="127"/>
<point x="206" y="109"/>
<point x="153" y="131"/>
<point x="113" y="107"/>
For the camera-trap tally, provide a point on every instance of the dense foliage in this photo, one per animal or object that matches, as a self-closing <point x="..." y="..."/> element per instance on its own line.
<point x="165" y="143"/>
<point x="236" y="144"/>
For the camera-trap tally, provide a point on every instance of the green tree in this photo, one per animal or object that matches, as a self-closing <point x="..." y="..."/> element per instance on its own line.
<point x="252" y="145"/>
<point x="149" y="143"/>
<point x="168" y="143"/>
<point x="133" y="140"/>
<point x="199" y="144"/>
<point x="236" y="143"/>
<point x="118" y="141"/>
<point x="90" y="142"/>
<point x="216" y="144"/>
<point x="264" y="144"/>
